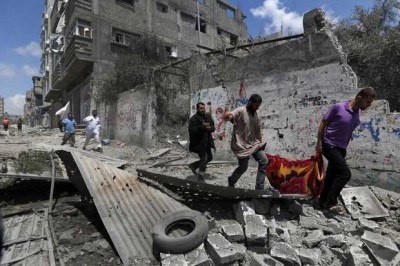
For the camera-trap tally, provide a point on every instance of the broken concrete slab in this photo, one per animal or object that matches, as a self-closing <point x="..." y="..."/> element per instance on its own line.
<point x="263" y="260"/>
<point x="283" y="234"/>
<point x="255" y="230"/>
<point x="381" y="247"/>
<point x="243" y="209"/>
<point x="335" y="240"/>
<point x="173" y="260"/>
<point x="221" y="250"/>
<point x="310" y="256"/>
<point x="316" y="223"/>
<point x="362" y="202"/>
<point x="396" y="260"/>
<point x="233" y="231"/>
<point x="285" y="253"/>
<point x="365" y="224"/>
<point x="358" y="257"/>
<point x="394" y="235"/>
<point x="198" y="257"/>
<point x="313" y="238"/>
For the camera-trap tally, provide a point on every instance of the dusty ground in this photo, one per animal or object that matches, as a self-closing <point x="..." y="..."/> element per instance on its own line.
<point x="81" y="236"/>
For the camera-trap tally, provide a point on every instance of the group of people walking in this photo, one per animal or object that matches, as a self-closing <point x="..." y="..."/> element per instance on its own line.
<point x="334" y="134"/>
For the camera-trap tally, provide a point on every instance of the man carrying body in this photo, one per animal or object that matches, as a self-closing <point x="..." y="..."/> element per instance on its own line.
<point x="247" y="141"/>
<point x="200" y="127"/>
<point x="92" y="129"/>
<point x="334" y="134"/>
<point x="69" y="130"/>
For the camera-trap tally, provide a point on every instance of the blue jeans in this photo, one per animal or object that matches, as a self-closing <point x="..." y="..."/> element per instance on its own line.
<point x="262" y="160"/>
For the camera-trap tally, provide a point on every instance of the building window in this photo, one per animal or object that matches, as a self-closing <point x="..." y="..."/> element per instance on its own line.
<point x="127" y="2"/>
<point x="121" y="37"/>
<point x="188" y="20"/>
<point x="227" y="37"/>
<point x="171" y="51"/>
<point x="229" y="11"/>
<point x="161" y="8"/>
<point x="82" y="28"/>
<point x="233" y="39"/>
<point x="202" y="25"/>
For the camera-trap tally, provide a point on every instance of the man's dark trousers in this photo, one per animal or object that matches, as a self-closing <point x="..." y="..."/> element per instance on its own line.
<point x="205" y="158"/>
<point x="337" y="175"/>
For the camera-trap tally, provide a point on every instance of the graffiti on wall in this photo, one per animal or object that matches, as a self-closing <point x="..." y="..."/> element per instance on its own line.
<point x="127" y="118"/>
<point x="241" y="99"/>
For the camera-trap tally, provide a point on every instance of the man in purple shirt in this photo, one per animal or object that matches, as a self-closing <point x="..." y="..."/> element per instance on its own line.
<point x="334" y="134"/>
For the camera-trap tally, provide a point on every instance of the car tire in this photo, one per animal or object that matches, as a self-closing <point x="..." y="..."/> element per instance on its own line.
<point x="182" y="244"/>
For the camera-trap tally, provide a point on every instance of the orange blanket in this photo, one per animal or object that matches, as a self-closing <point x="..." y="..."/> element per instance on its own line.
<point x="296" y="176"/>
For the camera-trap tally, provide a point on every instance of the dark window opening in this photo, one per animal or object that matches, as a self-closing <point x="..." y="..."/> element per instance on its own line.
<point x="128" y="2"/>
<point x="202" y="25"/>
<point x="233" y="40"/>
<point x="162" y="8"/>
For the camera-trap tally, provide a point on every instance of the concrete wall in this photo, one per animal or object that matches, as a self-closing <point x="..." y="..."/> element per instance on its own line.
<point x="298" y="80"/>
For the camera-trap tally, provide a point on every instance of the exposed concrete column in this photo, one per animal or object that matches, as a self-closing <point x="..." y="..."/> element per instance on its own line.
<point x="149" y="16"/>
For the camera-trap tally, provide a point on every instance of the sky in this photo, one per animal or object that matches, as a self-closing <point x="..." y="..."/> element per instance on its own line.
<point x="21" y="25"/>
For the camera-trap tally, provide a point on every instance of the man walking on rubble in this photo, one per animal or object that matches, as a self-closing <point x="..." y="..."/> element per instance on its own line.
<point x="6" y="122"/>
<point x="201" y="125"/>
<point x="247" y="141"/>
<point x="334" y="134"/>
<point x="92" y="129"/>
<point x="69" y="130"/>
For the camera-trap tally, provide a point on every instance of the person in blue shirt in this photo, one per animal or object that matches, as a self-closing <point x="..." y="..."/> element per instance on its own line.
<point x="69" y="130"/>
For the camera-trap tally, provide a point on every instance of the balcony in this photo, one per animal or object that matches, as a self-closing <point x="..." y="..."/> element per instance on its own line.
<point x="73" y="4"/>
<point x="77" y="61"/>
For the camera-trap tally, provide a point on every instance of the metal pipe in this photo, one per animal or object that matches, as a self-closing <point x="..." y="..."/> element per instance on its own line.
<point x="53" y="174"/>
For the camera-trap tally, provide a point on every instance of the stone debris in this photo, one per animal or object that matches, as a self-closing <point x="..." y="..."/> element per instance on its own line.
<point x="242" y="209"/>
<point x="233" y="231"/>
<point x="381" y="247"/>
<point x="313" y="238"/>
<point x="221" y="250"/>
<point x="263" y="260"/>
<point x="255" y="230"/>
<point x="285" y="253"/>
<point x="310" y="256"/>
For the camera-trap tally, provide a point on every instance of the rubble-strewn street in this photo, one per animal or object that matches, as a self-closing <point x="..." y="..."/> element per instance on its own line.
<point x="241" y="232"/>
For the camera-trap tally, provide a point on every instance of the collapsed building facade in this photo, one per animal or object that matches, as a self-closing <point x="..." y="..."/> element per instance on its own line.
<point x="81" y="39"/>
<point x="297" y="79"/>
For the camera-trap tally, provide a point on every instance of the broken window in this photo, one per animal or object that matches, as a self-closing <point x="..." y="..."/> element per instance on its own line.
<point x="227" y="37"/>
<point x="82" y="28"/>
<point x="202" y="25"/>
<point x="188" y="20"/>
<point x="233" y="39"/>
<point x="161" y="8"/>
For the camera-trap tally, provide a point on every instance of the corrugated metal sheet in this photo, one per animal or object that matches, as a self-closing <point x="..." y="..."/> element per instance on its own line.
<point x="27" y="240"/>
<point x="128" y="208"/>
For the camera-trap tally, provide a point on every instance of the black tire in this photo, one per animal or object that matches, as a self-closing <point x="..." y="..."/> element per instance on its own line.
<point x="182" y="244"/>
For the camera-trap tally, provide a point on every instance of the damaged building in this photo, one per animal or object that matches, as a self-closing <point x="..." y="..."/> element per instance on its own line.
<point x="81" y="39"/>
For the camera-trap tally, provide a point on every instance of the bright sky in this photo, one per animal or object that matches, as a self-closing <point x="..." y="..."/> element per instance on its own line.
<point x="21" y="25"/>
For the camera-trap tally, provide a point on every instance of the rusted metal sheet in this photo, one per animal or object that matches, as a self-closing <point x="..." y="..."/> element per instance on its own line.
<point x="361" y="202"/>
<point x="27" y="240"/>
<point x="214" y="191"/>
<point x="128" y="208"/>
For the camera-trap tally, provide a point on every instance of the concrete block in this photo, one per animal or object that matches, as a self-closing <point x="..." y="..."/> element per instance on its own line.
<point x="283" y="234"/>
<point x="313" y="238"/>
<point x="335" y="240"/>
<point x="358" y="257"/>
<point x="262" y="206"/>
<point x="173" y="259"/>
<point x="263" y="260"/>
<point x="310" y="256"/>
<point x="381" y="246"/>
<point x="198" y="257"/>
<point x="365" y="224"/>
<point x="240" y="250"/>
<point x="394" y="235"/>
<point x="335" y="226"/>
<point x="308" y="222"/>
<point x="242" y="209"/>
<point x="340" y="255"/>
<point x="396" y="260"/>
<point x="285" y="253"/>
<point x="233" y="231"/>
<point x="255" y="230"/>
<point x="291" y="227"/>
<point x="221" y="250"/>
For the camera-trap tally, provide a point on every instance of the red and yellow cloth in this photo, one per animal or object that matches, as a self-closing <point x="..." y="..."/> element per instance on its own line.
<point x="296" y="176"/>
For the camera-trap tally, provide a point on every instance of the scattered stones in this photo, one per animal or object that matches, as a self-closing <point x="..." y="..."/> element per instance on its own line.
<point x="335" y="240"/>
<point x="89" y="247"/>
<point x="242" y="209"/>
<point x="173" y="260"/>
<point x="233" y="231"/>
<point x="313" y="238"/>
<point x="221" y="250"/>
<point x="365" y="224"/>
<point x="95" y="235"/>
<point x="67" y="235"/>
<point x="285" y="253"/>
<point x="263" y="260"/>
<point x="310" y="256"/>
<point x="102" y="243"/>
<point x="198" y="257"/>
<point x="358" y="257"/>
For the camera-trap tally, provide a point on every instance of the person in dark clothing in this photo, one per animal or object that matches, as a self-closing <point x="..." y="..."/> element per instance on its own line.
<point x="60" y="123"/>
<point x="201" y="125"/>
<point x="19" y="124"/>
<point x="334" y="135"/>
